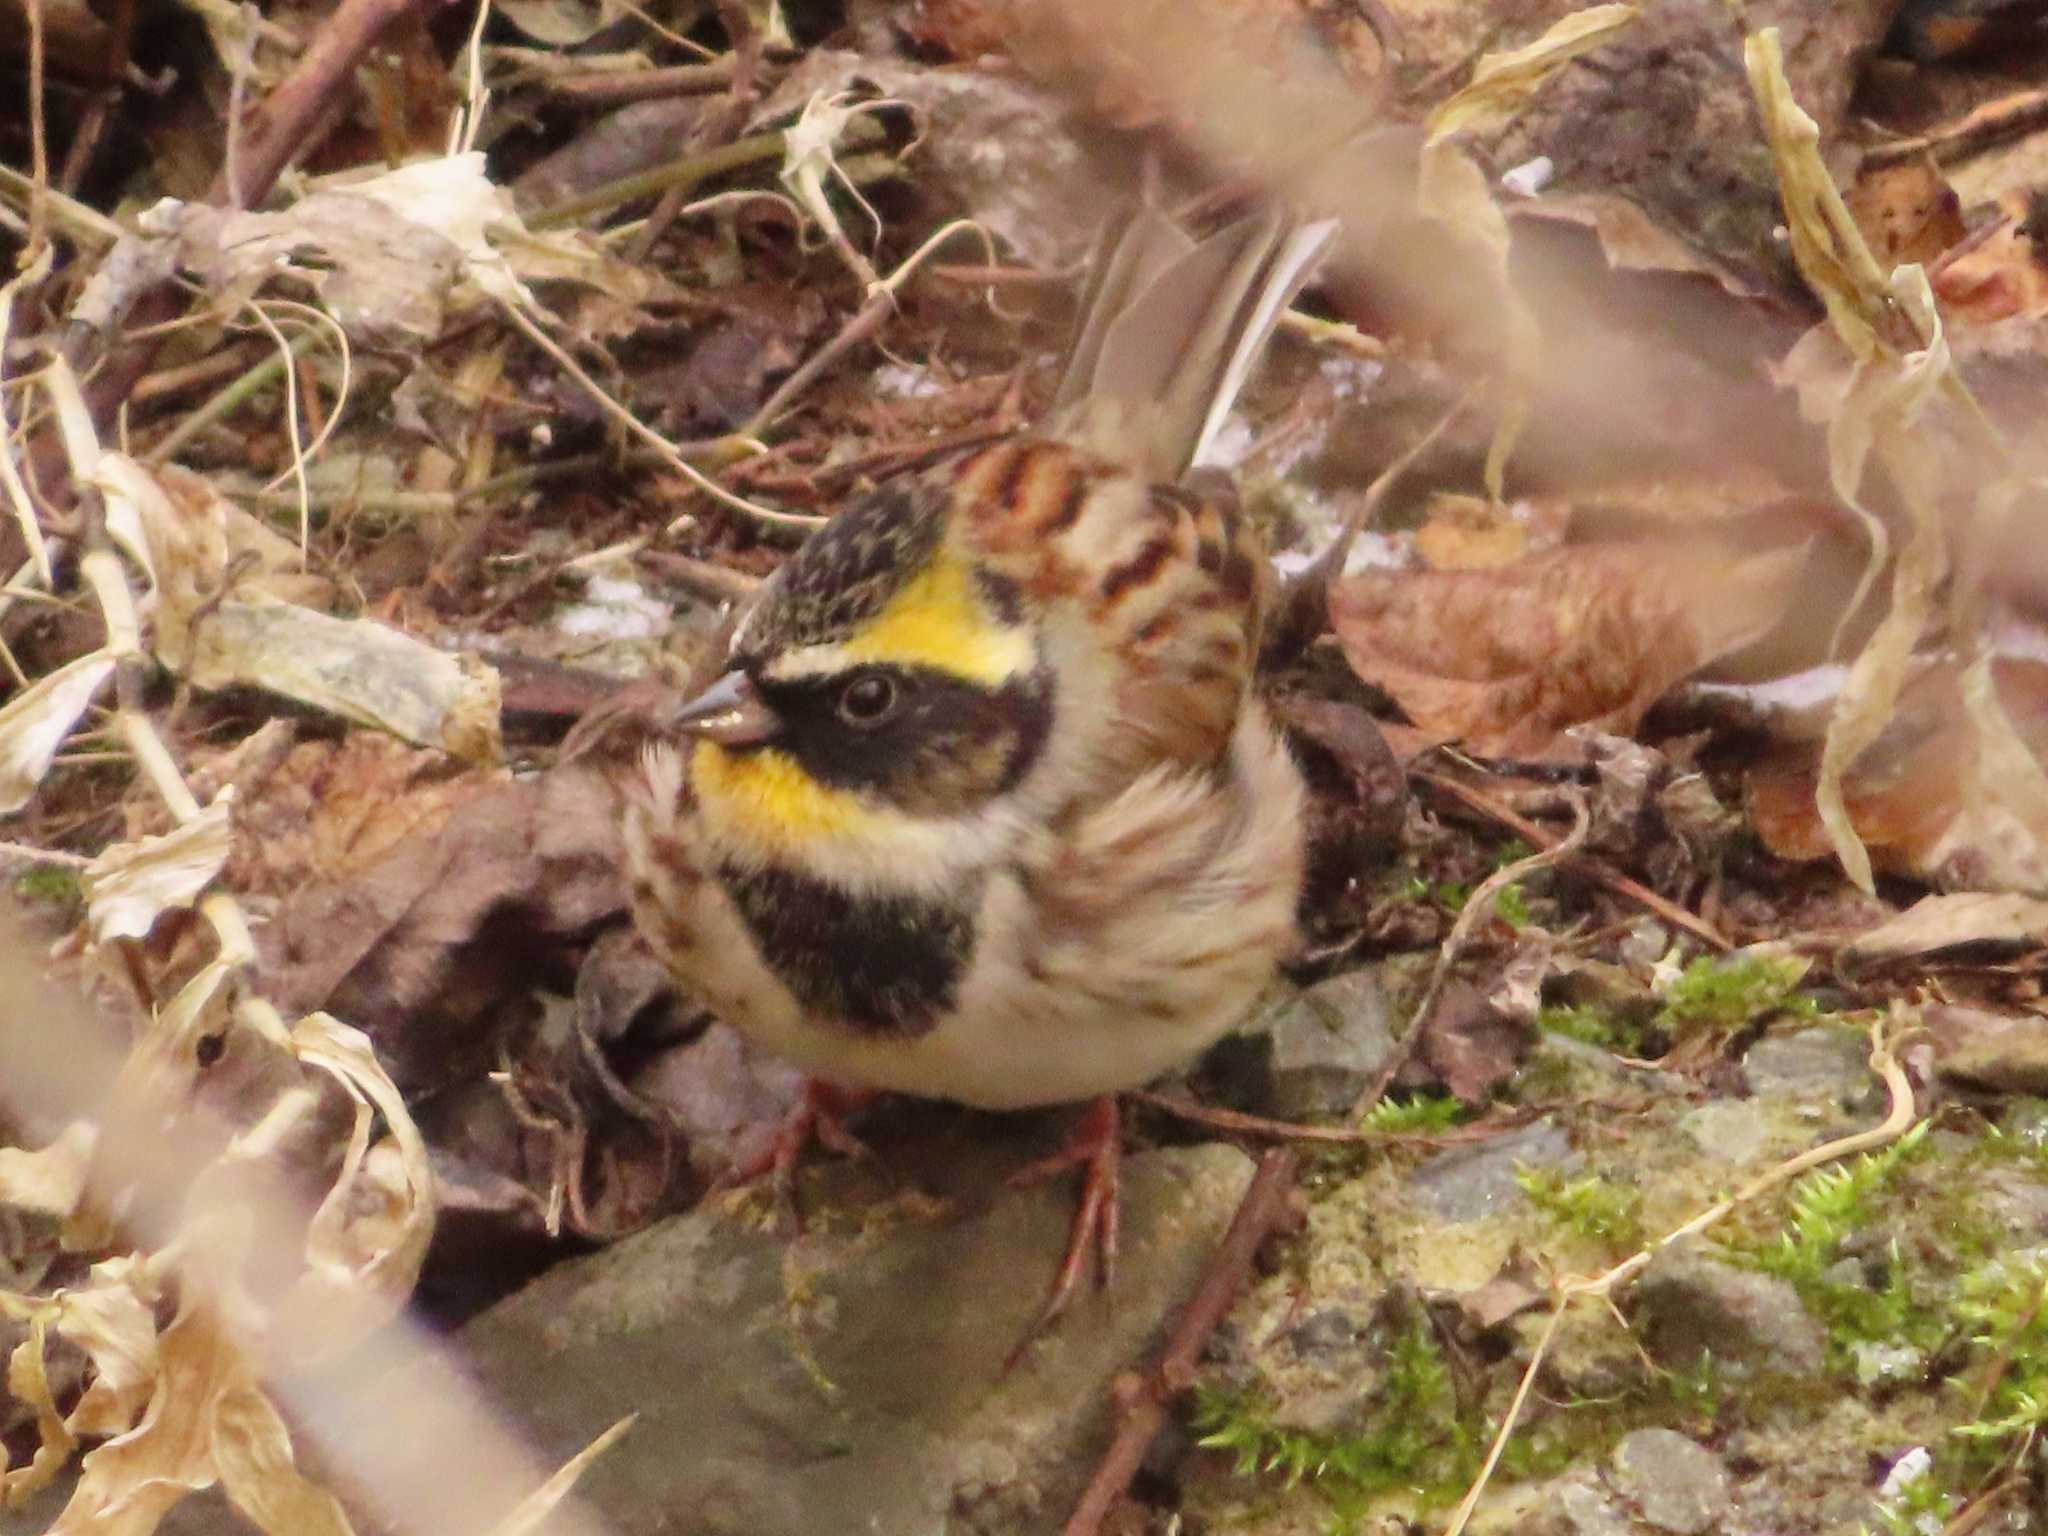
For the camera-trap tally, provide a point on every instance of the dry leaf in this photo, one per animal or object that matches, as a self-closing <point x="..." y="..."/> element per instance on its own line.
<point x="1631" y="239"/>
<point x="28" y="1378"/>
<point x="2002" y="278"/>
<point x="129" y="885"/>
<point x="1971" y="919"/>
<point x="1502" y="82"/>
<point x="1949" y="792"/>
<point x="220" y="618"/>
<point x="1505" y="660"/>
<point x="51" y="1179"/>
<point x="1470" y="533"/>
<point x="35" y="722"/>
<point x="369" y="1237"/>
<point x="1907" y="212"/>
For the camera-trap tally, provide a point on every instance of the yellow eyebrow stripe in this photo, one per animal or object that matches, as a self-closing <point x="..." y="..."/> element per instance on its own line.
<point x="938" y="620"/>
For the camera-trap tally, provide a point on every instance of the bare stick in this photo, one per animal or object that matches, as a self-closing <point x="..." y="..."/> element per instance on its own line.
<point x="1142" y="1401"/>
<point x="1585" y="864"/>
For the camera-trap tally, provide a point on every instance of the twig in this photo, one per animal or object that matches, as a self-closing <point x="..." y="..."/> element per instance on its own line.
<point x="226" y="363"/>
<point x="743" y="40"/>
<point x="228" y="399"/>
<point x="1142" y="1401"/>
<point x="1584" y="863"/>
<point x="720" y="583"/>
<point x="283" y="123"/>
<point x="1478" y="908"/>
<point x="1897" y="1121"/>
<point x="668" y="451"/>
<point x="428" y="503"/>
<point x="282" y="126"/>
<point x="866" y="321"/>
<point x="1989" y="124"/>
<point x="38" y="140"/>
<point x="1967" y="244"/>
<point x="1239" y="1123"/>
<point x="686" y="172"/>
<point x="623" y="87"/>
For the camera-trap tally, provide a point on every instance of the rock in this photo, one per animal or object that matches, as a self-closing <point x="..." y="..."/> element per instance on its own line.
<point x="1688" y="1305"/>
<point x="1731" y="1130"/>
<point x="1322" y="1050"/>
<point x="1824" y="1062"/>
<point x="1468" y="1183"/>
<point x="852" y="1380"/>
<point x="1574" y="1506"/>
<point x="1674" y="1483"/>
<point x="2000" y="1053"/>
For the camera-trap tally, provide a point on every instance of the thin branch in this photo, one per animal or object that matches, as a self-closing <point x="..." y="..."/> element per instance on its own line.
<point x="1584" y="863"/>
<point x="1142" y="1401"/>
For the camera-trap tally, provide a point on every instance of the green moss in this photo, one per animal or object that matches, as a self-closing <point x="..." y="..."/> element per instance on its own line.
<point x="2004" y="1307"/>
<point x="1410" y="1436"/>
<point x="1725" y="993"/>
<point x="1511" y="906"/>
<point x="53" y="885"/>
<point x="1596" y="1026"/>
<point x="1592" y="1205"/>
<point x="1421" y="1114"/>
<point x="1823" y="1210"/>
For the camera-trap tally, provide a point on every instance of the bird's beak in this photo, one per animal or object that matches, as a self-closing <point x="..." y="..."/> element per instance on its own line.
<point x="729" y="712"/>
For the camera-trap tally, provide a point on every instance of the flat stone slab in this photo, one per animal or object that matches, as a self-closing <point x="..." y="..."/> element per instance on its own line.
<point x="851" y="1380"/>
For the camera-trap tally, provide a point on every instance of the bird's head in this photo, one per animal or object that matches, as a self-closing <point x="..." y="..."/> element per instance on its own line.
<point x="883" y="694"/>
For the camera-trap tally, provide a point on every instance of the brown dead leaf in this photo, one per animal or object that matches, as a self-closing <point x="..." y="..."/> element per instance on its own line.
<point x="1981" y="921"/>
<point x="1468" y="1045"/>
<point x="1505" y="660"/>
<point x="1915" y="796"/>
<point x="2004" y="277"/>
<point x="1907" y="211"/>
<point x="331" y="810"/>
<point x="1631" y="239"/>
<point x="424" y="948"/>
<point x="1464" y="533"/>
<point x="1999" y="1053"/>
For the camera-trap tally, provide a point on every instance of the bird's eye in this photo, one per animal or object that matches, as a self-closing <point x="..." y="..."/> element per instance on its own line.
<point x="868" y="700"/>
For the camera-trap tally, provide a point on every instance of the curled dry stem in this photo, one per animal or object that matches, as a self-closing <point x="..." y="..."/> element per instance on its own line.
<point x="1899" y="1118"/>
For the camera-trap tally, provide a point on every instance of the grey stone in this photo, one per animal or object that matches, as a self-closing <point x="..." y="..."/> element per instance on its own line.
<point x="1323" y="1048"/>
<point x="852" y="1380"/>
<point x="1469" y="1183"/>
<point x="1688" y="1305"/>
<point x="1877" y="1362"/>
<point x="1577" y="1508"/>
<point x="1822" y="1062"/>
<point x="1732" y="1130"/>
<point x="1583" y="1053"/>
<point x="1674" y="1483"/>
<point x="1999" y="1053"/>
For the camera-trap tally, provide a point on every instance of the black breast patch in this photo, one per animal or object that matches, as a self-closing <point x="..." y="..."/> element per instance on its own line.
<point x="882" y="965"/>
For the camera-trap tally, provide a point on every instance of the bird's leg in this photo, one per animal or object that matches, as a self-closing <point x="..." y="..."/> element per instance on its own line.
<point x="1095" y="1145"/>
<point x="818" y="1115"/>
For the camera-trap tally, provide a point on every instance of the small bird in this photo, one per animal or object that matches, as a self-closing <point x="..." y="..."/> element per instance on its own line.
<point x="984" y="807"/>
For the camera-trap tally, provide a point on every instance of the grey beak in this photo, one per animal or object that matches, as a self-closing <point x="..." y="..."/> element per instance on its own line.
<point x="729" y="712"/>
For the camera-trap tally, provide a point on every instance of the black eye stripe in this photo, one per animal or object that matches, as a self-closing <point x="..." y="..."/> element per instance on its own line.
<point x="944" y="746"/>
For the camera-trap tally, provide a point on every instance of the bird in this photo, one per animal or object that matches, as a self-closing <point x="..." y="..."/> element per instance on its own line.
<point x="983" y="805"/>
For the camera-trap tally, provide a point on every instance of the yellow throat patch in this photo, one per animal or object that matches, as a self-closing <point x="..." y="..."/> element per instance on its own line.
<point x="939" y="621"/>
<point x="767" y="799"/>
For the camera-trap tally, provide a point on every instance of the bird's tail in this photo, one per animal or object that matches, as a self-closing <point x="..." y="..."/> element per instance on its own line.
<point x="1170" y="328"/>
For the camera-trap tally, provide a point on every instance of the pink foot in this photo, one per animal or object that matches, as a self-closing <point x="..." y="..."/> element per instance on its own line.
<point x="816" y="1117"/>
<point x="1094" y="1145"/>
